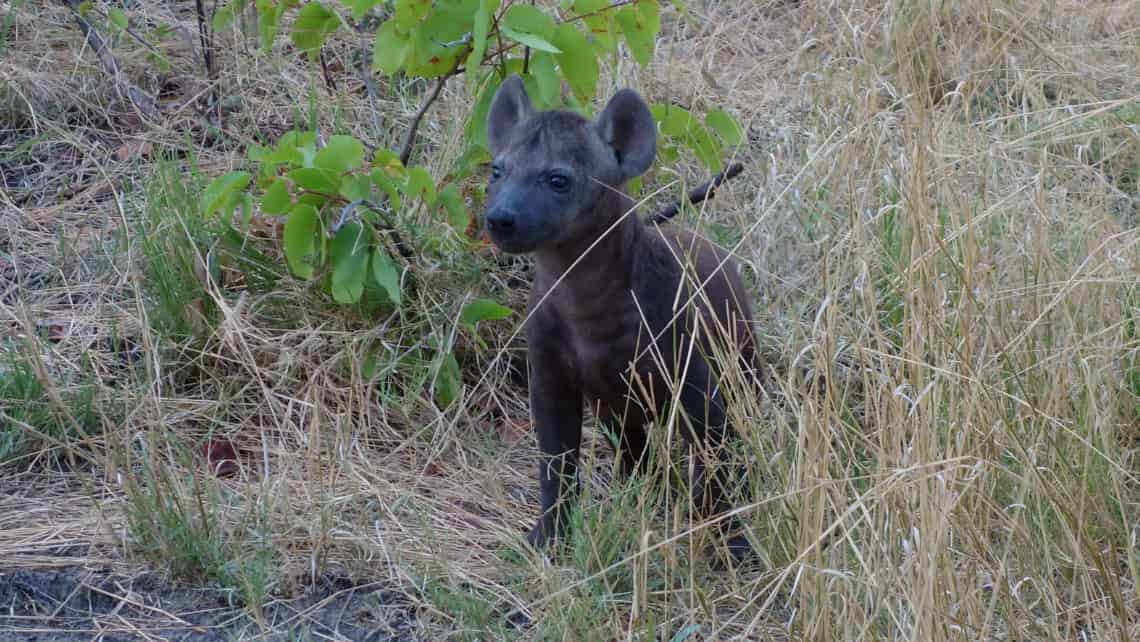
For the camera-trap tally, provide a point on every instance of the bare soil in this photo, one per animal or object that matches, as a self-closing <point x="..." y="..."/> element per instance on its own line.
<point x="75" y="603"/>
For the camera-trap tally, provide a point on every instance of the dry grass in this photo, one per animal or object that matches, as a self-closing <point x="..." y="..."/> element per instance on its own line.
<point x="938" y="219"/>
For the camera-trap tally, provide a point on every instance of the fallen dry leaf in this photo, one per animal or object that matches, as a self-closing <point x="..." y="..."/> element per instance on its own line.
<point x="221" y="457"/>
<point x="134" y="149"/>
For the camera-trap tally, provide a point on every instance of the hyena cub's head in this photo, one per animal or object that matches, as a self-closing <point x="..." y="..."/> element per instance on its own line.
<point x="551" y="169"/>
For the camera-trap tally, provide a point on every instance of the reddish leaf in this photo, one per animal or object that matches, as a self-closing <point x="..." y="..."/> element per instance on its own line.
<point x="56" y="330"/>
<point x="272" y="227"/>
<point x="221" y="457"/>
<point x="134" y="149"/>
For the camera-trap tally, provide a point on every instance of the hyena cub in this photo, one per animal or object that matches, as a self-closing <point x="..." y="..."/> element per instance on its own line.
<point x="616" y="330"/>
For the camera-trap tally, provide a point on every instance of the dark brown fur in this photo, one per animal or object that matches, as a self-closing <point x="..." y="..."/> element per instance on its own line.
<point x="616" y="330"/>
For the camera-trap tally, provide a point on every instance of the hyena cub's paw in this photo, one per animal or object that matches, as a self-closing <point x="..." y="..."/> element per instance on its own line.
<point x="541" y="535"/>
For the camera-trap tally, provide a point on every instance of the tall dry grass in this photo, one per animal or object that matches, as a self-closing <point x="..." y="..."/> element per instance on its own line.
<point x="938" y="223"/>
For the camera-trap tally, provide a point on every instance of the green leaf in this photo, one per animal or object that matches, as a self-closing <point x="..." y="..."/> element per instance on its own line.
<point x="725" y="126"/>
<point x="349" y="256"/>
<point x="680" y="125"/>
<point x="456" y="209"/>
<point x="479" y="32"/>
<point x="420" y="185"/>
<point x="483" y="310"/>
<point x="245" y="199"/>
<point x="276" y="199"/>
<point x="386" y="274"/>
<point x="582" y="7"/>
<point x="341" y="154"/>
<point x="293" y="148"/>
<point x="356" y="188"/>
<point x="389" y="161"/>
<point x="599" y="23"/>
<point x="527" y="19"/>
<point x="530" y="26"/>
<point x="318" y="201"/>
<point x="437" y="43"/>
<point x="477" y="121"/>
<point x="269" y="14"/>
<point x="118" y="18"/>
<point x="159" y="60"/>
<point x="315" y="179"/>
<point x="370" y="364"/>
<point x="673" y="121"/>
<point x="224" y="17"/>
<point x="707" y="148"/>
<point x="220" y="189"/>
<point x="390" y="187"/>
<point x="577" y="60"/>
<point x="314" y="23"/>
<point x="409" y="12"/>
<point x="231" y="201"/>
<point x="390" y="49"/>
<point x="389" y="174"/>
<point x="297" y="139"/>
<point x="542" y="67"/>
<point x="448" y="381"/>
<point x="651" y="13"/>
<point x="529" y="39"/>
<point x="284" y="156"/>
<point x="257" y="153"/>
<point x="635" y="185"/>
<point x="639" y="33"/>
<point x="300" y="239"/>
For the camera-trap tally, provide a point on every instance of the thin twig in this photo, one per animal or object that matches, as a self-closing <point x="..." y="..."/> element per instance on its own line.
<point x="130" y="31"/>
<point x="526" y="54"/>
<point x="141" y="100"/>
<point x="206" y="38"/>
<point x="503" y="49"/>
<point x="326" y="72"/>
<point x="706" y="191"/>
<point x="410" y="140"/>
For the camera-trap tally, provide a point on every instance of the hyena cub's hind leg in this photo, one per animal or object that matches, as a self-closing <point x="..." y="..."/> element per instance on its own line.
<point x="707" y="432"/>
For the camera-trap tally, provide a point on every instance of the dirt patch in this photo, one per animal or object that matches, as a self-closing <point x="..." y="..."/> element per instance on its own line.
<point x="71" y="604"/>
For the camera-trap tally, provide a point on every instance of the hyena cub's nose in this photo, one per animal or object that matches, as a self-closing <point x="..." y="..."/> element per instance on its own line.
<point x="500" y="221"/>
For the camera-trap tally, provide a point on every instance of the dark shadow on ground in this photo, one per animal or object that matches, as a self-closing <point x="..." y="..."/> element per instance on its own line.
<point x="71" y="604"/>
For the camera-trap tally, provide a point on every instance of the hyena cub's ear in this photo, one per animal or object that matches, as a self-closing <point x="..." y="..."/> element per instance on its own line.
<point x="627" y="126"/>
<point x="509" y="107"/>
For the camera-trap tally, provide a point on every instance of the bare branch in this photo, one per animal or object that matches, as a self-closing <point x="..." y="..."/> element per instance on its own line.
<point x="141" y="100"/>
<point x="410" y="140"/>
<point x="706" y="191"/>
<point x="206" y="38"/>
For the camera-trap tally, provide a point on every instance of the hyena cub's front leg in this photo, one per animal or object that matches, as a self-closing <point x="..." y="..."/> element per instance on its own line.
<point x="556" y="409"/>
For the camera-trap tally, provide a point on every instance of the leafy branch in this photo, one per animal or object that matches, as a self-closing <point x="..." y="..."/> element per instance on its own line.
<point x="341" y="211"/>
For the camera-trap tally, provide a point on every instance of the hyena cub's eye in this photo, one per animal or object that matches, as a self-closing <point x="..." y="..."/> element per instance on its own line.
<point x="496" y="172"/>
<point x="559" y="182"/>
